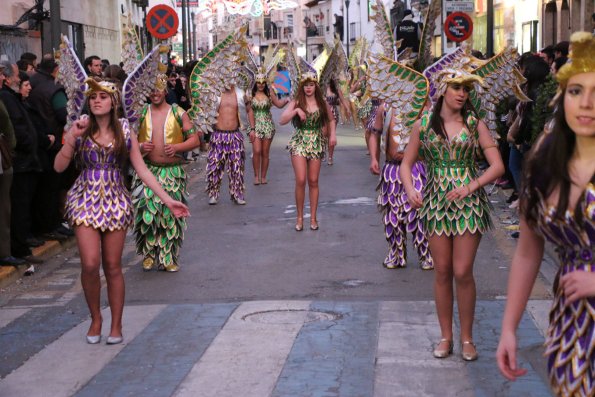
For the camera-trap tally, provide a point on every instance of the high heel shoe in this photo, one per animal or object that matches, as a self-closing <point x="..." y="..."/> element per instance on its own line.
<point x="466" y="355"/>
<point x="299" y="226"/>
<point x="93" y="339"/>
<point x="442" y="352"/>
<point x="314" y="225"/>
<point x="114" y="340"/>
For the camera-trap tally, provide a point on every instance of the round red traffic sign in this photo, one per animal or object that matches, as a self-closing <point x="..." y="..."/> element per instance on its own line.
<point x="162" y="21"/>
<point x="458" y="26"/>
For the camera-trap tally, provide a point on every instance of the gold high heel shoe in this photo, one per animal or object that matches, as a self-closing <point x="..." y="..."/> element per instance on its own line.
<point x="469" y="356"/>
<point x="443" y="353"/>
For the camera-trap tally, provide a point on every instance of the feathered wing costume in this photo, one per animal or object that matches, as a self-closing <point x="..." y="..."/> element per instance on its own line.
<point x="217" y="71"/>
<point x="265" y="74"/>
<point x="489" y="82"/>
<point x="404" y="93"/>
<point x="98" y="198"/>
<point x="132" y="53"/>
<point x="158" y="233"/>
<point x="307" y="140"/>
<point x="140" y="82"/>
<point x="72" y="76"/>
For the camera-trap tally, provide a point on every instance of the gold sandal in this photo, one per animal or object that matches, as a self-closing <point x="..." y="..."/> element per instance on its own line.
<point x="443" y="353"/>
<point x="469" y="356"/>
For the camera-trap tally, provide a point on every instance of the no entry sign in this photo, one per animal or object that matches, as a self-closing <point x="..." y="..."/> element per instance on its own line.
<point x="458" y="26"/>
<point x="162" y="22"/>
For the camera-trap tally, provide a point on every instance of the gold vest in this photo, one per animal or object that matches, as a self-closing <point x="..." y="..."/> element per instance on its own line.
<point x="172" y="130"/>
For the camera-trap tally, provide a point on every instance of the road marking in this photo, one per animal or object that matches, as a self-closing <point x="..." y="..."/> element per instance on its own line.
<point x="9" y="315"/>
<point x="69" y="362"/>
<point x="245" y="359"/>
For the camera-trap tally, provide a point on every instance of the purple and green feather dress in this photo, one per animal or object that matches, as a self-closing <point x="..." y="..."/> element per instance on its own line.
<point x="99" y="198"/>
<point x="570" y="340"/>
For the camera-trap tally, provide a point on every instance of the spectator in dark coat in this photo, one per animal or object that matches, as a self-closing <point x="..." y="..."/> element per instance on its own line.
<point x="26" y="164"/>
<point x="49" y="100"/>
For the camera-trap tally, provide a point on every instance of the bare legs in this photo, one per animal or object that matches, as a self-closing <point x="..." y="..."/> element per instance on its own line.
<point x="453" y="259"/>
<point x="306" y="170"/>
<point x="96" y="247"/>
<point x="331" y="151"/>
<point x="260" y="159"/>
<point x="256" y="159"/>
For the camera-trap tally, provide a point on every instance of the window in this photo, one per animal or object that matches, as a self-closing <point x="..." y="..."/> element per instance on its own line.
<point x="499" y="38"/>
<point x="352" y="31"/>
<point x="529" y="39"/>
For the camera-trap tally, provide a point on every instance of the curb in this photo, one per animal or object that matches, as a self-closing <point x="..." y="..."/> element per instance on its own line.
<point x="9" y="274"/>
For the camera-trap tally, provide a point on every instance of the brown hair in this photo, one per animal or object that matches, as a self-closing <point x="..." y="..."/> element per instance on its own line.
<point x="436" y="122"/>
<point x="300" y="102"/>
<point x="115" y="125"/>
<point x="555" y="149"/>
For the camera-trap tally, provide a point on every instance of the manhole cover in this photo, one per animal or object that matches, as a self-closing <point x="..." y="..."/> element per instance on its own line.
<point x="291" y="316"/>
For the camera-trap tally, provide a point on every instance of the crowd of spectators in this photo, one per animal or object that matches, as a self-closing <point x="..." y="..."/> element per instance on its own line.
<point x="32" y="119"/>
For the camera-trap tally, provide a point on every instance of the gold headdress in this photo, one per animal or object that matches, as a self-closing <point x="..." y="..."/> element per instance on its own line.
<point x="260" y="76"/>
<point x="457" y="76"/>
<point x="161" y="82"/>
<point x="309" y="76"/>
<point x="581" y="58"/>
<point x="105" y="86"/>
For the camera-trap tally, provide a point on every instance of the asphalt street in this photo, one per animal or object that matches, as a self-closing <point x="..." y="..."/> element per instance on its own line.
<point x="259" y="309"/>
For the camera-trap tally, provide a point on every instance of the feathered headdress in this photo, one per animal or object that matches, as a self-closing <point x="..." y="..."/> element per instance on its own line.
<point x="581" y="58"/>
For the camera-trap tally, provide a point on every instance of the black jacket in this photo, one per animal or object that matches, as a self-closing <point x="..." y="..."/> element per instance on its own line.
<point x="26" y="158"/>
<point x="42" y="94"/>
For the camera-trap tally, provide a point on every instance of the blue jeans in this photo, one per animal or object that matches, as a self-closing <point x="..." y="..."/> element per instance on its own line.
<point x="515" y="163"/>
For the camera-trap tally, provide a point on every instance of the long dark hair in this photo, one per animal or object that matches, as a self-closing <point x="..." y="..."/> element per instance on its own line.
<point x="266" y="90"/>
<point x="115" y="125"/>
<point x="436" y="122"/>
<point x="300" y="101"/>
<point x="555" y="149"/>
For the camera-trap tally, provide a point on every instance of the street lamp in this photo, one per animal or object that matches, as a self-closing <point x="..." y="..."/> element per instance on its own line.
<point x="347" y="24"/>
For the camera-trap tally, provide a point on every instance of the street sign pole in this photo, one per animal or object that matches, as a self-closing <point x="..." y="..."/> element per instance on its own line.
<point x="184" y="42"/>
<point x="490" y="29"/>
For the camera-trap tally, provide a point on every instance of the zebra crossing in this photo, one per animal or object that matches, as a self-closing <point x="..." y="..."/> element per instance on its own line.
<point x="259" y="348"/>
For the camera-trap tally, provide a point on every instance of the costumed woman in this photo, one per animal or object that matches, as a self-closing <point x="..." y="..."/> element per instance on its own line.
<point x="558" y="205"/>
<point x="99" y="206"/>
<point x="454" y="207"/>
<point x="262" y="99"/>
<point x="312" y="118"/>
<point x="264" y="128"/>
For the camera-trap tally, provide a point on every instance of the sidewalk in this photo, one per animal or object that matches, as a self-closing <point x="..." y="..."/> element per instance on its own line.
<point x="9" y="274"/>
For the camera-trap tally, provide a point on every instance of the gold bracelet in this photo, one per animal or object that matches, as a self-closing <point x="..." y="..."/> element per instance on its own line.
<point x="468" y="190"/>
<point x="478" y="184"/>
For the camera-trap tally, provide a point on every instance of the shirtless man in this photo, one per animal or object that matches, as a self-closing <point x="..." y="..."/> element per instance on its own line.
<point x="399" y="217"/>
<point x="165" y="133"/>
<point x="226" y="150"/>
